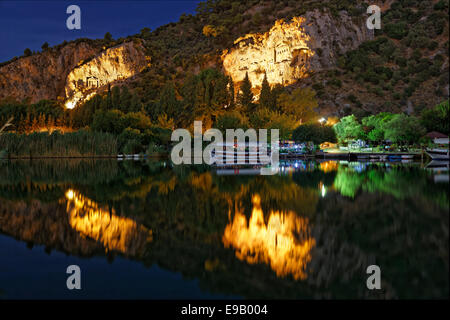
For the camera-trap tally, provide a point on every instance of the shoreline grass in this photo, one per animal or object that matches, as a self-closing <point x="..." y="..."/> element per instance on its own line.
<point x="78" y="144"/>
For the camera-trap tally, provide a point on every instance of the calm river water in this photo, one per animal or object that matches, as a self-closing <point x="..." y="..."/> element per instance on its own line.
<point x="153" y="231"/>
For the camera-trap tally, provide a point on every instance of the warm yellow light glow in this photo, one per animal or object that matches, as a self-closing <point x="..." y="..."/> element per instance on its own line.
<point x="78" y="97"/>
<point x="282" y="54"/>
<point x="283" y="243"/>
<point x="69" y="195"/>
<point x="115" y="233"/>
<point x="329" y="166"/>
<point x="70" y="104"/>
<point x="331" y="121"/>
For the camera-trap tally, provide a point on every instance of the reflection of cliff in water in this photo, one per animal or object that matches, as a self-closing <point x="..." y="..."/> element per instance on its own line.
<point x="283" y="243"/>
<point x="115" y="233"/>
<point x="193" y="212"/>
<point x="45" y="224"/>
<point x="79" y="227"/>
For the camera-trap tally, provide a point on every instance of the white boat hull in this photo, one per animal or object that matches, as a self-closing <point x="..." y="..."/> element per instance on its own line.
<point x="438" y="154"/>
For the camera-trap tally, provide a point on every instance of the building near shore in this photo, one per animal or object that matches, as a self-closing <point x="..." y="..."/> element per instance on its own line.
<point x="438" y="138"/>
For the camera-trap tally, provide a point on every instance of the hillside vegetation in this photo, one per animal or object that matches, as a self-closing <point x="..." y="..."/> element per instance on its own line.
<point x="403" y="69"/>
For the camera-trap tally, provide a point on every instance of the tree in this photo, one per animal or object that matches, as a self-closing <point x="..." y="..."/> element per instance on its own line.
<point x="27" y="52"/>
<point x="108" y="37"/>
<point x="34" y="124"/>
<point x="246" y="94"/>
<point x="299" y="104"/>
<point x="275" y="93"/>
<point x="137" y="120"/>
<point x="230" y="120"/>
<point x="188" y="92"/>
<point x="261" y="118"/>
<point x="165" y="122"/>
<point x="211" y="31"/>
<point x="108" y="121"/>
<point x="220" y="96"/>
<point x="396" y="30"/>
<point x="328" y="134"/>
<point x="115" y="96"/>
<point x="135" y="104"/>
<point x="42" y="121"/>
<point x="231" y="93"/>
<point x="44" y="46"/>
<point x="314" y="133"/>
<point x="168" y="101"/>
<point x="27" y="123"/>
<point x="50" y="123"/>
<point x="125" y="99"/>
<point x="284" y="123"/>
<point x="207" y="94"/>
<point x="402" y="128"/>
<point x="160" y="135"/>
<point x="437" y="118"/>
<point x="374" y="125"/>
<point x="265" y="98"/>
<point x="348" y="129"/>
<point x="146" y="33"/>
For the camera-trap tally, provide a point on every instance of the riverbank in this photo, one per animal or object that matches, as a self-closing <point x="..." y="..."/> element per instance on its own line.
<point x="354" y="155"/>
<point x="165" y="155"/>
<point x="94" y="157"/>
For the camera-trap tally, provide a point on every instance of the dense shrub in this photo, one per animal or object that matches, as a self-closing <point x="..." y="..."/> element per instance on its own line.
<point x="314" y="133"/>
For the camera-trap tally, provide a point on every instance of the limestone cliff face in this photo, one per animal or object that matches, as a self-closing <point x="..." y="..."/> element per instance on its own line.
<point x="292" y="50"/>
<point x="71" y="72"/>
<point x="43" y="76"/>
<point x="117" y="63"/>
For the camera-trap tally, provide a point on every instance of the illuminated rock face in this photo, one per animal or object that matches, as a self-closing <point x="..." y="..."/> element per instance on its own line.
<point x="42" y="76"/>
<point x="282" y="53"/>
<point x="292" y="50"/>
<point x="117" y="63"/>
<point x="71" y="72"/>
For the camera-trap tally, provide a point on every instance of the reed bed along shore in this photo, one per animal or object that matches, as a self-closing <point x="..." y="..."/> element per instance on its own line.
<point x="81" y="143"/>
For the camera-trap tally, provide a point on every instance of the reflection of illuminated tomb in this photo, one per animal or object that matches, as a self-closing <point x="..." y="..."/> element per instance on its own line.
<point x="92" y="82"/>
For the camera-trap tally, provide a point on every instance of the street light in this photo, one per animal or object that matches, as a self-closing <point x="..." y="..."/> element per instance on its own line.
<point x="322" y="121"/>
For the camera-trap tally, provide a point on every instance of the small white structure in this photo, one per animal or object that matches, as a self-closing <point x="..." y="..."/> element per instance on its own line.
<point x="438" y="138"/>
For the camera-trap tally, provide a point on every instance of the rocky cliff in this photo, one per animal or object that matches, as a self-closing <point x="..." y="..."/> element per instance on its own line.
<point x="117" y="63"/>
<point x="70" y="72"/>
<point x="43" y="76"/>
<point x="292" y="50"/>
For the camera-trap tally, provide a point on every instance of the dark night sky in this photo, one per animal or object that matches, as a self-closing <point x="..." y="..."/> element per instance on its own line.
<point x="28" y="24"/>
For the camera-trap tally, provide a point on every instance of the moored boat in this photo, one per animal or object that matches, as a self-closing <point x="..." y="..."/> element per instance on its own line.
<point x="395" y="158"/>
<point x="378" y="157"/>
<point x="438" y="154"/>
<point x="363" y="157"/>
